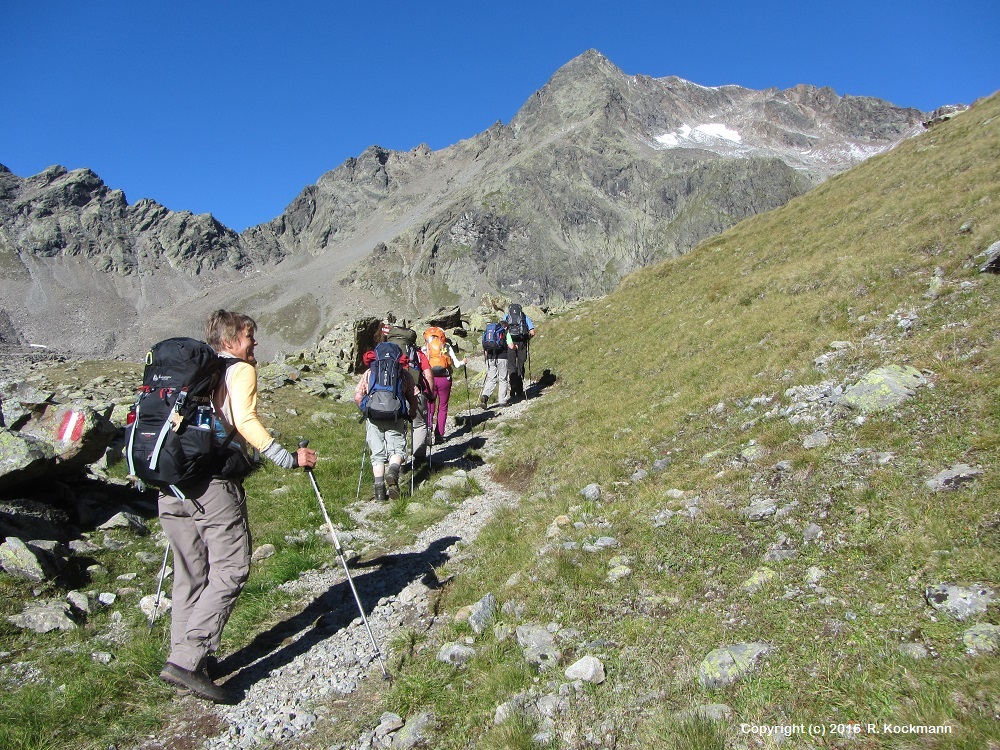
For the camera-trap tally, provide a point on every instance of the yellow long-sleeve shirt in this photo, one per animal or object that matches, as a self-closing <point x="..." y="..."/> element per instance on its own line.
<point x="236" y="401"/>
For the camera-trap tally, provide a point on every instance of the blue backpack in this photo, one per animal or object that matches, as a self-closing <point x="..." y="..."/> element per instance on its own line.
<point x="495" y="338"/>
<point x="385" y="400"/>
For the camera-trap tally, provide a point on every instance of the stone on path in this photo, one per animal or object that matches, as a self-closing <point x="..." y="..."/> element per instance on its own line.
<point x="588" y="669"/>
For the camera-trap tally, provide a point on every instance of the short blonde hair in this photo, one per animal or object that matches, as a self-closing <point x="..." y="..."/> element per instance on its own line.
<point x="224" y="327"/>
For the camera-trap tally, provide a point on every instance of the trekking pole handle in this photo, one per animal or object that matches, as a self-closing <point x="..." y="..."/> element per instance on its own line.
<point x="303" y="444"/>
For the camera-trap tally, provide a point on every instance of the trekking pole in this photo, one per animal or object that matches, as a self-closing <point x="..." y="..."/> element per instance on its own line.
<point x="361" y="471"/>
<point x="528" y="355"/>
<point x="413" y="457"/>
<point x="430" y="451"/>
<point x="159" y="587"/>
<point x="468" y="399"/>
<point x="343" y="561"/>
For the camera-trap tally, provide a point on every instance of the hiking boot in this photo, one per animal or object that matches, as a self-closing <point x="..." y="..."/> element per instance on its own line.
<point x="211" y="666"/>
<point x="197" y="682"/>
<point x="392" y="481"/>
<point x="380" y="493"/>
<point x="484" y="401"/>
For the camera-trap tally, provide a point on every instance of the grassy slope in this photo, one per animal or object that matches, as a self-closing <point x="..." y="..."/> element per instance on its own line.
<point x="744" y="316"/>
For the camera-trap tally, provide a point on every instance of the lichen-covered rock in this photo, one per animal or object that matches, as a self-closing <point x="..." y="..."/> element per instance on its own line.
<point x="882" y="389"/>
<point x="416" y="731"/>
<point x="952" y="478"/>
<point x="959" y="602"/>
<point x="455" y="654"/>
<point x="758" y="579"/>
<point x="726" y="665"/>
<point x="483" y="614"/>
<point x="990" y="259"/>
<point x="44" y="617"/>
<point x="983" y="638"/>
<point x="21" y="561"/>
<point x="22" y="458"/>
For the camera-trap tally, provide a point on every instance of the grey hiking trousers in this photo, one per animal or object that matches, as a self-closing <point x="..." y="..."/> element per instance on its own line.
<point x="210" y="538"/>
<point x="496" y="377"/>
<point x="386" y="439"/>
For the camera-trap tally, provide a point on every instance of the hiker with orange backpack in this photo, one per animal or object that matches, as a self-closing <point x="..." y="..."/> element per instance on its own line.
<point x="443" y="360"/>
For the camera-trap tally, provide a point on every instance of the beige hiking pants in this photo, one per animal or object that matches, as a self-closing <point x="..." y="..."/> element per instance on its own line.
<point x="210" y="538"/>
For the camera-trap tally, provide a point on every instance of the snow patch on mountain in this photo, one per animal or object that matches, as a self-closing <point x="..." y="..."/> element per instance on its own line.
<point x="698" y="136"/>
<point x="826" y="155"/>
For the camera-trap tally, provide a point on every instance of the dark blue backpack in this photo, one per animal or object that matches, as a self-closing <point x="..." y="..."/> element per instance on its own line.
<point x="385" y="400"/>
<point x="495" y="338"/>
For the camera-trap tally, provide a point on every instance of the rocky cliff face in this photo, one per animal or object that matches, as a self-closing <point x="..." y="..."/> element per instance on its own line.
<point x="74" y="214"/>
<point x="599" y="174"/>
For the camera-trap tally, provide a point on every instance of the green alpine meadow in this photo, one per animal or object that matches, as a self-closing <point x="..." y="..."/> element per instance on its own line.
<point x="757" y="506"/>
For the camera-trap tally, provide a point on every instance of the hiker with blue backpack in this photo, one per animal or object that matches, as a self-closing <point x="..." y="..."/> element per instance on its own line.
<point x="387" y="397"/>
<point x="520" y="330"/>
<point x="496" y="343"/>
<point x="192" y="430"/>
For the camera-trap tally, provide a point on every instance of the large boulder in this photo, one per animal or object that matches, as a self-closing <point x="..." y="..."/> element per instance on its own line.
<point x="448" y="318"/>
<point x="78" y="434"/>
<point x="53" y="440"/>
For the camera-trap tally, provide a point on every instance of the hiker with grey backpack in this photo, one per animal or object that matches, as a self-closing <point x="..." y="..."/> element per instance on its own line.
<point x="193" y="429"/>
<point x="520" y="330"/>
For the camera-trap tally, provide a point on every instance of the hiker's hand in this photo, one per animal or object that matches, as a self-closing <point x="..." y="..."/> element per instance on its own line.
<point x="306" y="458"/>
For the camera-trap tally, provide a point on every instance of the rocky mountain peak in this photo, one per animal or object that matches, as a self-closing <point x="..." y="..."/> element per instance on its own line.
<point x="578" y="90"/>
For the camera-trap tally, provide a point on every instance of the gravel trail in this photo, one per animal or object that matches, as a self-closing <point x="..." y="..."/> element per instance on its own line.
<point x="323" y="652"/>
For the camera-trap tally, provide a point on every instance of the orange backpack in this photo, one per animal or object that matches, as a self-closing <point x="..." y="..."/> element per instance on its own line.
<point x="437" y="353"/>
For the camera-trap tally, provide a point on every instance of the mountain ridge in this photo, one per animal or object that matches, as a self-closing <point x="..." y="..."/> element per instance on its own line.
<point x="597" y="175"/>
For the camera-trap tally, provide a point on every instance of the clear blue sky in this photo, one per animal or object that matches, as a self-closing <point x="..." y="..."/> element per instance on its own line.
<point x="232" y="108"/>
